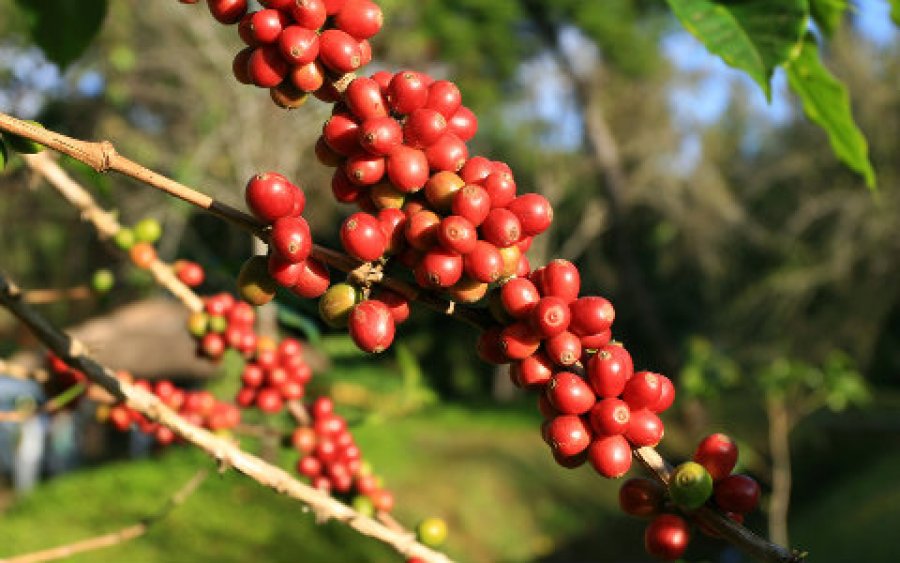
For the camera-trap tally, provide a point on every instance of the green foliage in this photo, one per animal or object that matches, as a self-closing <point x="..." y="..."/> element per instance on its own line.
<point x="836" y="383"/>
<point x="4" y="155"/>
<point x="706" y="372"/>
<point x="895" y="11"/>
<point x="62" y="28"/>
<point x="828" y="14"/>
<point x="755" y="37"/>
<point x="827" y="103"/>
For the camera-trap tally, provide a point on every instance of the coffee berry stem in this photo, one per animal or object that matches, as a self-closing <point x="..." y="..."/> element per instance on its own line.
<point x="225" y="452"/>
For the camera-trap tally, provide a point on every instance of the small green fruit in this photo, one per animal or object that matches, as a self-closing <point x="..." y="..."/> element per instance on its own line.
<point x="198" y="324"/>
<point x="103" y="280"/>
<point x="124" y="239"/>
<point x="690" y="485"/>
<point x="255" y="284"/>
<point x="147" y="230"/>
<point x="337" y="303"/>
<point x="363" y="505"/>
<point x="218" y="324"/>
<point x="23" y="145"/>
<point x="432" y="531"/>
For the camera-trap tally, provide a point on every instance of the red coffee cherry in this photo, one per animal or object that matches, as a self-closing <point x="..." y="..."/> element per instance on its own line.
<point x="501" y="228"/>
<point x="609" y="370"/>
<point x="310" y="14"/>
<point x="568" y="435"/>
<point x="372" y="326"/>
<point x="252" y="376"/>
<point x="362" y="237"/>
<point x="407" y="92"/>
<point x="363" y="97"/>
<point x="189" y="273"/>
<point x="644" y="428"/>
<point x="227" y="11"/>
<point x="309" y="77"/>
<point x="476" y="169"/>
<point x="457" y="234"/>
<point x="393" y="225"/>
<point x="407" y="169"/>
<point x="489" y="347"/>
<point x="364" y="169"/>
<point x="341" y="132"/>
<point x="519" y="341"/>
<point x="339" y="51"/>
<point x="473" y="203"/>
<point x="269" y="400"/>
<point x="533" y="212"/>
<point x="591" y="315"/>
<point x="737" y="493"/>
<point x="449" y="153"/>
<point x="564" y="348"/>
<point x="267" y="25"/>
<point x="444" y="97"/>
<point x="365" y="52"/>
<point x="518" y="297"/>
<point x="610" y="416"/>
<point x="560" y="278"/>
<point x="569" y="394"/>
<point x="266" y="67"/>
<point x="313" y="280"/>
<point x="642" y="497"/>
<point x="360" y="18"/>
<point x="596" y="341"/>
<point x="270" y="196"/>
<point x="501" y="188"/>
<point x="666" y="395"/>
<point x="642" y="390"/>
<point x="344" y="190"/>
<point x="550" y="316"/>
<point x="439" y="268"/>
<point x="464" y="124"/>
<point x="240" y="66"/>
<point x="321" y="407"/>
<point x="534" y="371"/>
<point x="299" y="45"/>
<point x="398" y="304"/>
<point x="610" y="456"/>
<point x="332" y="7"/>
<point x="570" y="462"/>
<point x="667" y="537"/>
<point x="421" y="229"/>
<point x="291" y="238"/>
<point x="484" y="263"/>
<point x="718" y="454"/>
<point x="380" y="135"/>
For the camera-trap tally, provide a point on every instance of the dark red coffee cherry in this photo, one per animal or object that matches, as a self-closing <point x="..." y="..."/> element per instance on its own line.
<point x="560" y="278"/>
<point x="227" y="11"/>
<point x="309" y="77"/>
<point x="360" y="18"/>
<point x="341" y="132"/>
<point x="362" y="237"/>
<point x="533" y="212"/>
<point x="534" y="371"/>
<point x="718" y="453"/>
<point x="737" y="493"/>
<point x="423" y="128"/>
<point x="457" y="234"/>
<point x="667" y="537"/>
<point x="439" y="268"/>
<point x="550" y="316"/>
<point x="570" y="394"/>
<point x="363" y="97"/>
<point x="518" y="297"/>
<point x="339" y="51"/>
<point x="484" y="263"/>
<point x="291" y="238"/>
<point x="313" y="280"/>
<point x="310" y="14"/>
<point x="666" y="395"/>
<point x="642" y="497"/>
<point x="266" y="25"/>
<point x="568" y="435"/>
<point x="501" y="188"/>
<point x="564" y="348"/>
<point x="642" y="390"/>
<point x="609" y="370"/>
<point x="266" y="67"/>
<point x="380" y="135"/>
<point x="610" y="456"/>
<point x="407" y="169"/>
<point x="407" y="92"/>
<point x="444" y="97"/>
<point x="610" y="416"/>
<point x="299" y="45"/>
<point x="371" y="326"/>
<point x="591" y="315"/>
<point x="464" y="124"/>
<point x="364" y="169"/>
<point x="421" y="229"/>
<point x="644" y="428"/>
<point x="270" y="196"/>
<point x="473" y="203"/>
<point x="519" y="341"/>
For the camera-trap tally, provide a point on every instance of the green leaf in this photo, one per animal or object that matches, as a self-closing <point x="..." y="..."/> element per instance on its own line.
<point x="63" y="28"/>
<point x="827" y="103"/>
<point x="895" y="11"/>
<point x="299" y="322"/>
<point x="4" y="156"/>
<point x="751" y="35"/>
<point x="828" y="14"/>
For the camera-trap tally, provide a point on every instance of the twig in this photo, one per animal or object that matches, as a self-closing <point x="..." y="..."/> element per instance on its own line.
<point x="119" y="536"/>
<point x="105" y="223"/>
<point x="226" y="453"/>
<point x="44" y="296"/>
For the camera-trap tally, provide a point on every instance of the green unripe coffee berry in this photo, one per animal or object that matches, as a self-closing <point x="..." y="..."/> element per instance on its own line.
<point x="337" y="303"/>
<point x="147" y="230"/>
<point x="198" y="324"/>
<point x="690" y="485"/>
<point x="218" y="324"/>
<point x="103" y="280"/>
<point x="432" y="531"/>
<point x="255" y="284"/>
<point x="363" y="505"/>
<point x="124" y="239"/>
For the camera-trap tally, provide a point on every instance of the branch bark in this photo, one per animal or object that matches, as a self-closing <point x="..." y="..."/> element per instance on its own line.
<point x="780" y="450"/>
<point x="117" y="537"/>
<point x="223" y="451"/>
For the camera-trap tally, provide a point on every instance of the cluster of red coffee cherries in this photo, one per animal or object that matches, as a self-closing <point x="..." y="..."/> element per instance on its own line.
<point x="596" y="407"/>
<point x="278" y="202"/>
<point x="333" y="462"/>
<point x="200" y="408"/>
<point x="64" y="376"/>
<point x="705" y="481"/>
<point x="295" y="46"/>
